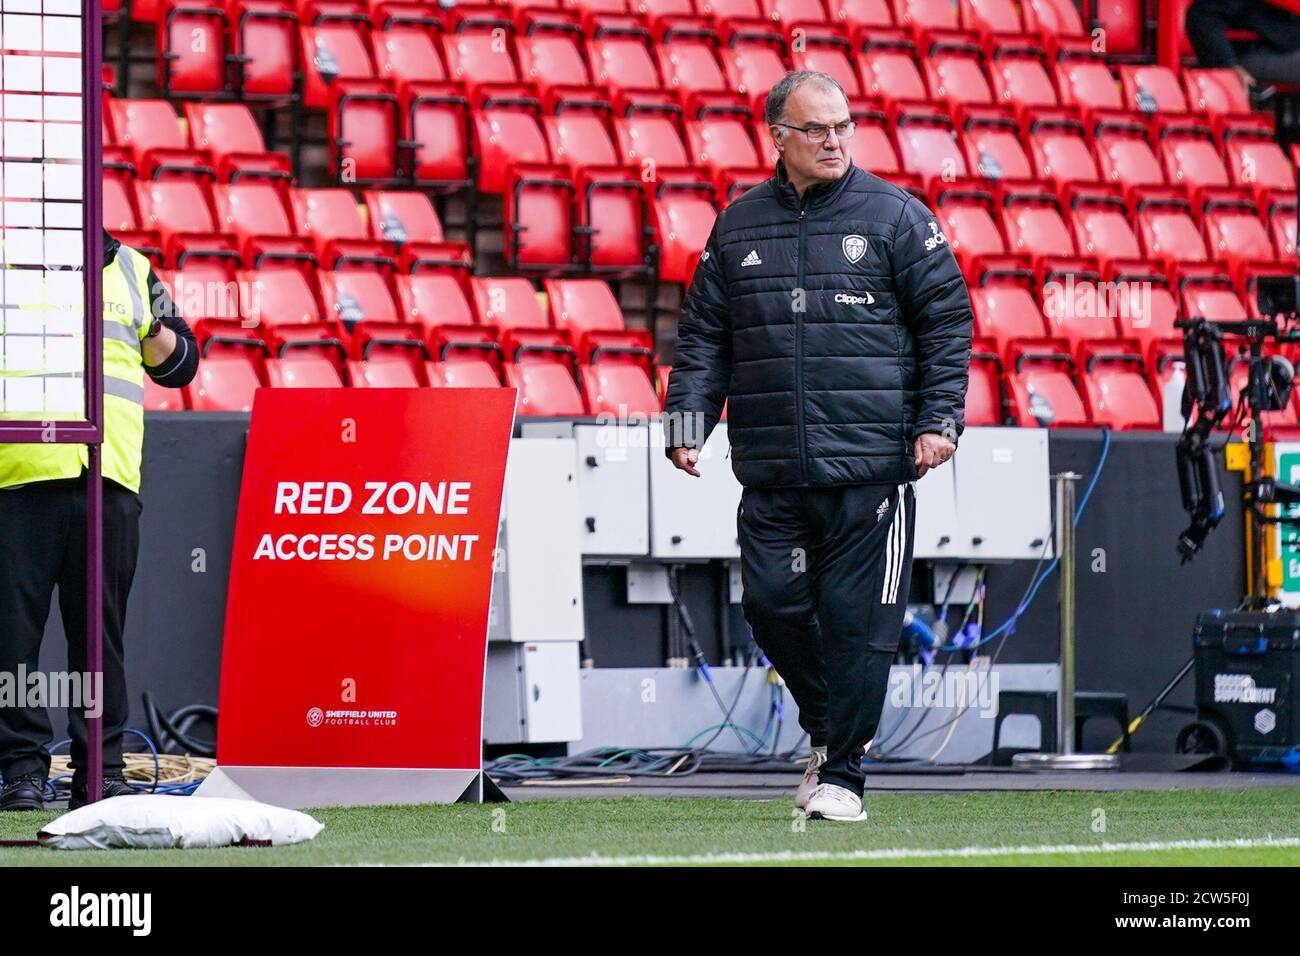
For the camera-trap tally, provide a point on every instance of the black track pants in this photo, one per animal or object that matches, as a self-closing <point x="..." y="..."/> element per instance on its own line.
<point x="826" y="573"/>
<point x="43" y="543"/>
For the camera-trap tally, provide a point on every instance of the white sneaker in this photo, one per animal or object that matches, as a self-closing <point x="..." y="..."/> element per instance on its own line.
<point x="809" y="782"/>
<point x="829" y="802"/>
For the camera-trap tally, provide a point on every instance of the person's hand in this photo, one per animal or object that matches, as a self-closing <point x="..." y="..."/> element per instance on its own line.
<point x="686" y="459"/>
<point x="1244" y="73"/>
<point x="932" y="451"/>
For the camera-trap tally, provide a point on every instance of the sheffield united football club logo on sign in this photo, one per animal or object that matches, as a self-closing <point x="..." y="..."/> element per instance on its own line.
<point x="855" y="247"/>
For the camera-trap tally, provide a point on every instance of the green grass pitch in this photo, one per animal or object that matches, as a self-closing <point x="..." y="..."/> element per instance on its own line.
<point x="1041" y="828"/>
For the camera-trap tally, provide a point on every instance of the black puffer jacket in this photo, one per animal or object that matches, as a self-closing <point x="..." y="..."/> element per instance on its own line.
<point x="837" y="328"/>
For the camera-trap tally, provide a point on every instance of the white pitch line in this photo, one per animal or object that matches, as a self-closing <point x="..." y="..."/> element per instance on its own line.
<point x="911" y="853"/>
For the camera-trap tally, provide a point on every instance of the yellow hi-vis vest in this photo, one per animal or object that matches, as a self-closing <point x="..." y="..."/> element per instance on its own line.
<point x="35" y="394"/>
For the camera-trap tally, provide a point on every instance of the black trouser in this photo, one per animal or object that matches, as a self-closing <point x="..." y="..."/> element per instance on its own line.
<point x="43" y="544"/>
<point x="1270" y="67"/>
<point x="826" y="573"/>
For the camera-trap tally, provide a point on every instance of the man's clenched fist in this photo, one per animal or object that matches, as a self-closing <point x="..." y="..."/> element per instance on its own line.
<point x="686" y="459"/>
<point x="931" y="451"/>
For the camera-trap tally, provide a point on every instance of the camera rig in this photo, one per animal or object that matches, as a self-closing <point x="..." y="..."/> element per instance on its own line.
<point x="1208" y="402"/>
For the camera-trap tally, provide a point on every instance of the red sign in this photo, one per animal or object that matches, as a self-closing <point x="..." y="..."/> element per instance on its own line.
<point x="356" y="624"/>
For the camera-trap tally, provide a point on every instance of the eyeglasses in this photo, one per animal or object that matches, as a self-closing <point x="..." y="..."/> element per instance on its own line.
<point x="819" y="133"/>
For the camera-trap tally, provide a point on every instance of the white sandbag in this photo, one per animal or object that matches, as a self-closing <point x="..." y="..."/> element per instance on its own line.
<point x="149" y="821"/>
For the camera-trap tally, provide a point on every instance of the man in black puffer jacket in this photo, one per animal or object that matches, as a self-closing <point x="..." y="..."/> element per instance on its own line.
<point x="829" y="313"/>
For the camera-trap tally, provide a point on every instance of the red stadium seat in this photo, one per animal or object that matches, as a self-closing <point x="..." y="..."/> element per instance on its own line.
<point x="1115" y="391"/>
<point x="224" y="382"/>
<point x="1101" y="229"/>
<point x="860" y="15"/>
<point x="265" y="41"/>
<point x="1005" y="313"/>
<point x="1151" y="89"/>
<point x="1193" y="162"/>
<point x="1211" y="300"/>
<point x="353" y="296"/>
<point x="255" y="213"/>
<point x="579" y="140"/>
<point x="957" y="76"/>
<point x="119" y="207"/>
<point x="752" y="71"/>
<point x="1235" y="233"/>
<point x="1282" y="226"/>
<point x="891" y="74"/>
<point x="1124" y="24"/>
<point x="993" y="149"/>
<point x="1021" y="81"/>
<point x="502" y="138"/>
<point x="1259" y="164"/>
<point x="437" y="135"/>
<point x="278" y="297"/>
<point x="1216" y="92"/>
<point x="722" y="145"/>
<point x="622" y="63"/>
<point x="588" y="311"/>
<point x="538" y="219"/>
<point x="408" y="220"/>
<point x="179" y="211"/>
<point x="545" y="388"/>
<point x="508" y="302"/>
<point x="1041" y="389"/>
<point x="229" y="133"/>
<point x="364" y="129"/>
<point x="192" y="50"/>
<point x="382" y="372"/>
<point x="1126" y="158"/>
<point x="1051" y="18"/>
<point x="1061" y="153"/>
<point x="649" y="138"/>
<point x="689" y="68"/>
<point x="984" y="387"/>
<point x="971" y="230"/>
<point x="478" y="59"/>
<point x="872" y="148"/>
<point x="989" y="17"/>
<point x="149" y="128"/>
<point x="462" y="373"/>
<point x="160" y="399"/>
<point x="430" y="300"/>
<point x="331" y="220"/>
<point x="1167" y="229"/>
<point x="930" y="152"/>
<point x="614" y="219"/>
<point x="793" y="12"/>
<point x="1034" y="226"/>
<point x="1147" y="315"/>
<point x="404" y="55"/>
<point x="583" y="305"/>
<point x="550" y="60"/>
<point x="1088" y="84"/>
<point x="683" y="215"/>
<point x="332" y="54"/>
<point x="618" y="389"/>
<point x="302" y="370"/>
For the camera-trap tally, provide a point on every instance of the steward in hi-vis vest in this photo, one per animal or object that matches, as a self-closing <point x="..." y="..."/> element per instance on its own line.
<point x="43" y="495"/>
